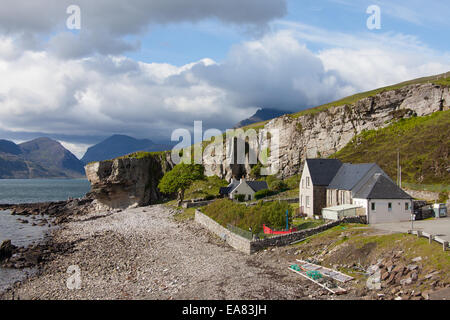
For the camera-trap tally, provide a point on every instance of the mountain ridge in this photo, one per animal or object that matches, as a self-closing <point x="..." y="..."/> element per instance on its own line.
<point x="119" y="145"/>
<point x="261" y="114"/>
<point x="38" y="158"/>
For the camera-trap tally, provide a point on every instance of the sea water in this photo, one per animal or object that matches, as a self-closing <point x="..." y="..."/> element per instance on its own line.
<point x="31" y="191"/>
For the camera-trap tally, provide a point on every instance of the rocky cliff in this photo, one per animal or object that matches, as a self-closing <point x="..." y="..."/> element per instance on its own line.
<point x="322" y="133"/>
<point x="128" y="181"/>
<point x="132" y="180"/>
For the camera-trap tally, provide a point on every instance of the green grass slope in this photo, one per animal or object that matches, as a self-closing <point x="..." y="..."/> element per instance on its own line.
<point x="440" y="79"/>
<point x="423" y="143"/>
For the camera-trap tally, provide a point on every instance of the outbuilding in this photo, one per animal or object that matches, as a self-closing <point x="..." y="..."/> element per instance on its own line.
<point x="342" y="211"/>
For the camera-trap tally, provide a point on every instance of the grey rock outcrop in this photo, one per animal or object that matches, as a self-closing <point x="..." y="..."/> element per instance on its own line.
<point x="321" y="134"/>
<point x="128" y="182"/>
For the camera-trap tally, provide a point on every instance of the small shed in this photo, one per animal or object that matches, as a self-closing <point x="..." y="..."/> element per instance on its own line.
<point x="340" y="212"/>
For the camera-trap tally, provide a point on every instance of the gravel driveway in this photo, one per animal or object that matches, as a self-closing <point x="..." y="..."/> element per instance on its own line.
<point x="144" y="253"/>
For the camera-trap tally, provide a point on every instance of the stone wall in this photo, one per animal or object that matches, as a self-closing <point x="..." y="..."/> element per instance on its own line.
<point x="195" y="204"/>
<point x="249" y="247"/>
<point x="234" y="240"/>
<point x="423" y="195"/>
<point x="286" y="239"/>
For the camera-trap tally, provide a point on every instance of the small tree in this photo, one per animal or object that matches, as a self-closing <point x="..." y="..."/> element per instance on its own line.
<point x="180" y="178"/>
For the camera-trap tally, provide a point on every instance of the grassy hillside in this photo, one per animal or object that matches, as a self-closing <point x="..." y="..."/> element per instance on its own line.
<point x="423" y="143"/>
<point x="441" y="79"/>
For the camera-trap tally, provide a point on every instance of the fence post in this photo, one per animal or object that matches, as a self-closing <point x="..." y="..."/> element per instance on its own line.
<point x="430" y="238"/>
<point x="419" y="233"/>
<point x="444" y="245"/>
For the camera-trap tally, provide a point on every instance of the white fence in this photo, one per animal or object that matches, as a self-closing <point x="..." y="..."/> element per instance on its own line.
<point x="430" y="237"/>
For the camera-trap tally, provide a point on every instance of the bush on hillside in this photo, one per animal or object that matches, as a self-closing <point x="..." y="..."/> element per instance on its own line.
<point x="273" y="214"/>
<point x="263" y="193"/>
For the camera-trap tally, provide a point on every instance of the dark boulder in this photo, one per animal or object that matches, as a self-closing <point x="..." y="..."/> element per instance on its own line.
<point x="6" y="250"/>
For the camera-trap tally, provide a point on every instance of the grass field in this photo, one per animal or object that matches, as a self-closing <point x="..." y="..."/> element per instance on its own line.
<point x="423" y="143"/>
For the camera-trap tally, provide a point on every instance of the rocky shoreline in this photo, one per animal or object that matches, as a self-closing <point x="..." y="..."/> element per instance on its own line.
<point x="51" y="214"/>
<point x="144" y="253"/>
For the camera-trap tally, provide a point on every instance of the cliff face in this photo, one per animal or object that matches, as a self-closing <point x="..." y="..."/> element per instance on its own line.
<point x="323" y="133"/>
<point x="132" y="181"/>
<point x="128" y="182"/>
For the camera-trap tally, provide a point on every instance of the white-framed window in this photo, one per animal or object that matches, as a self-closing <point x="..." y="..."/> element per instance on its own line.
<point x="307" y="201"/>
<point x="389" y="206"/>
<point x="372" y="206"/>
<point x="406" y="206"/>
<point x="307" y="182"/>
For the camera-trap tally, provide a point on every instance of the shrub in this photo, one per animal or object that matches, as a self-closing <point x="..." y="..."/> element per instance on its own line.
<point x="443" y="197"/>
<point x="273" y="214"/>
<point x="293" y="182"/>
<point x="263" y="193"/>
<point x="278" y="185"/>
<point x="239" y="197"/>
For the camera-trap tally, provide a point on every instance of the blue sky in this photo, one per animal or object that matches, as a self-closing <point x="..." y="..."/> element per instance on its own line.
<point x="146" y="68"/>
<point x="183" y="43"/>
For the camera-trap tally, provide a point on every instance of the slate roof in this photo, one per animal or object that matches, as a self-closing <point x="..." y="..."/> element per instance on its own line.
<point x="323" y="170"/>
<point x="349" y="175"/>
<point x="229" y="188"/>
<point x="380" y="187"/>
<point x="254" y="185"/>
<point x="258" y="185"/>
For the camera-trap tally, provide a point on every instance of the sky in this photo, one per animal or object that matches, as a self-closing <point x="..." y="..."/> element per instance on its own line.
<point x="145" y="68"/>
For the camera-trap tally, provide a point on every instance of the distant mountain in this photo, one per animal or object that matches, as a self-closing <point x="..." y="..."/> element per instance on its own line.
<point x="9" y="147"/>
<point x="39" y="158"/>
<point x="120" y="145"/>
<point x="262" y="115"/>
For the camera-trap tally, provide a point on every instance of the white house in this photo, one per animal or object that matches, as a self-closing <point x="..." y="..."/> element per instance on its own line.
<point x="247" y="188"/>
<point x="316" y="176"/>
<point x="343" y="189"/>
<point x="383" y="201"/>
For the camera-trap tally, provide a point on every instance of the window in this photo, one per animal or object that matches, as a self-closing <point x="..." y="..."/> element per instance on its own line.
<point x="307" y="182"/>
<point x="373" y="206"/>
<point x="389" y="206"/>
<point x="307" y="201"/>
<point x="249" y="197"/>
<point x="406" y="206"/>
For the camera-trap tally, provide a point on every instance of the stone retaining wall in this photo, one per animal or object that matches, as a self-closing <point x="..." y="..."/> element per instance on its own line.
<point x="249" y="247"/>
<point x="422" y="195"/>
<point x="234" y="240"/>
<point x="195" y="204"/>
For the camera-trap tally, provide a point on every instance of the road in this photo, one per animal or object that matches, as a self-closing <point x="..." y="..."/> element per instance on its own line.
<point x="439" y="227"/>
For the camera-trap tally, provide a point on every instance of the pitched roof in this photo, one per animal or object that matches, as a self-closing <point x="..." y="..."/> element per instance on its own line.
<point x="258" y="185"/>
<point x="349" y="175"/>
<point x="323" y="170"/>
<point x="380" y="187"/>
<point x="254" y="185"/>
<point x="226" y="190"/>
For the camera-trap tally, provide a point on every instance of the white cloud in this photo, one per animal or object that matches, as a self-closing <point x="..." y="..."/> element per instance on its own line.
<point x="105" y="24"/>
<point x="102" y="95"/>
<point x="78" y="149"/>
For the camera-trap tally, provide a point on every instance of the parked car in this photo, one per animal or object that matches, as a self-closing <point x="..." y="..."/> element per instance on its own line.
<point x="424" y="212"/>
